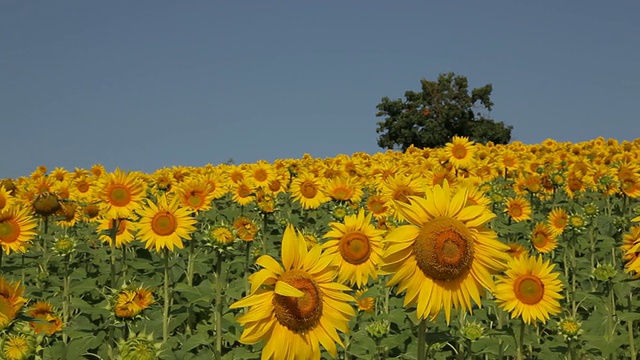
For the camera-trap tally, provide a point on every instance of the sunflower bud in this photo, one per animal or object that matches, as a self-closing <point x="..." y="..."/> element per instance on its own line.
<point x="8" y="185"/>
<point x="570" y="328"/>
<point x="604" y="272"/>
<point x="46" y="204"/>
<point x="64" y="245"/>
<point x="378" y="328"/>
<point x="138" y="347"/>
<point x="473" y="330"/>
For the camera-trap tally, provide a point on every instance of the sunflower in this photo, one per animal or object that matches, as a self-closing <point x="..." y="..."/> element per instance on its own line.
<point x="529" y="289"/>
<point x="243" y="193"/>
<point x="543" y="238"/>
<point x="558" y="219"/>
<point x="222" y="234"/>
<point x="18" y="347"/>
<point x="357" y="247"/>
<point x="307" y="190"/>
<point x="245" y="228"/>
<point x="343" y="189"/>
<point x="164" y="224"/>
<point x="125" y="231"/>
<point x="261" y="173"/>
<point x="81" y="188"/>
<point x="366" y="304"/>
<point x="17" y="228"/>
<point x="11" y="301"/>
<point x="518" y="208"/>
<point x="46" y="319"/>
<point x="121" y="194"/>
<point x="6" y="199"/>
<point x="195" y="194"/>
<point x="295" y="307"/>
<point x="129" y="303"/>
<point x="378" y="206"/>
<point x="447" y="255"/>
<point x="460" y="151"/>
<point x="631" y="251"/>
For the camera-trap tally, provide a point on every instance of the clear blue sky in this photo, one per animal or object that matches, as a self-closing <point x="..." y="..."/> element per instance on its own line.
<point x="146" y="84"/>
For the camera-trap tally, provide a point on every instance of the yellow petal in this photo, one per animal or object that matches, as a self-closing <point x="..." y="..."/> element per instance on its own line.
<point x="284" y="289"/>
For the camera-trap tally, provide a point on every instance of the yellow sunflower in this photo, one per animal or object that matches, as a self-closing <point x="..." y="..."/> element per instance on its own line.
<point x="518" y="208"/>
<point x="447" y="255"/>
<point x="543" y="238"/>
<point x="125" y="231"/>
<point x="631" y="251"/>
<point x="460" y="151"/>
<point x="356" y="246"/>
<point x="11" y="301"/>
<point x="378" y="206"/>
<point x="6" y="199"/>
<point x="343" y="189"/>
<point x="120" y="194"/>
<point x="243" y="192"/>
<point x="47" y="321"/>
<point x="558" y="219"/>
<point x="129" y="303"/>
<point x="18" y="347"/>
<point x="17" y="228"/>
<point x="306" y="188"/>
<point x="195" y="194"/>
<point x="297" y="307"/>
<point x="529" y="289"/>
<point x="164" y="224"/>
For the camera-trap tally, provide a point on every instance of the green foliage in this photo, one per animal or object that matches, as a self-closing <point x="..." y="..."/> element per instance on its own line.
<point x="441" y="110"/>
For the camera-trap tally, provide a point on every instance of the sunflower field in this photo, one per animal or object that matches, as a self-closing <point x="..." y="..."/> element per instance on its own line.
<point x="468" y="251"/>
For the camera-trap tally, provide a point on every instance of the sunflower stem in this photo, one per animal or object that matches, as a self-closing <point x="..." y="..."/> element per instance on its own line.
<point x="190" y="265"/>
<point x="165" y="309"/>
<point x="422" y="341"/>
<point x="632" y="346"/>
<point x="218" y="311"/>
<point x="520" y="344"/>
<point x="65" y="296"/>
<point x="264" y="233"/>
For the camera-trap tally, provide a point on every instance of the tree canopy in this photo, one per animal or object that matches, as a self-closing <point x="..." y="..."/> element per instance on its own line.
<point x="441" y="110"/>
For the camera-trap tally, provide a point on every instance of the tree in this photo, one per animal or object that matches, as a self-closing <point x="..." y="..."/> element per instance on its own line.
<point x="443" y="109"/>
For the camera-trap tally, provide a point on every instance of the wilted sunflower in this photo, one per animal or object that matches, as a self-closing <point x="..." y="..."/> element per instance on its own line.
<point x="129" y="303"/>
<point x="164" y="224"/>
<point x="447" y="255"/>
<point x="16" y="229"/>
<point x="120" y="194"/>
<point x="356" y="246"/>
<point x="518" y="208"/>
<point x="297" y="307"/>
<point x="11" y="301"/>
<point x="46" y="320"/>
<point x="529" y="289"/>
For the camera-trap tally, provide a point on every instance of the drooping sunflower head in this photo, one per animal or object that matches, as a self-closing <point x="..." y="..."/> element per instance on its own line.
<point x="11" y="301"/>
<point x="446" y="255"/>
<point x="46" y="319"/>
<point x="130" y="302"/>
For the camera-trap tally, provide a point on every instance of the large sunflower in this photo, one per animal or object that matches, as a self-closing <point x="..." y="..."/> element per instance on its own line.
<point x="16" y="229"/>
<point x="164" y="225"/>
<point x="357" y="247"/>
<point x="121" y="194"/>
<point x="297" y="307"/>
<point x="447" y="255"/>
<point x="530" y="289"/>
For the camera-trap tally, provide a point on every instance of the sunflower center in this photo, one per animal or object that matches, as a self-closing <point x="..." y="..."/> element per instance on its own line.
<point x="308" y="189"/>
<point x="341" y="193"/>
<point x="516" y="210"/>
<point x="355" y="248"/>
<point x="299" y="314"/>
<point x="195" y="199"/>
<point x="119" y="195"/>
<point x="529" y="289"/>
<point x="164" y="223"/>
<point x="459" y="152"/>
<point x="444" y="249"/>
<point x="3" y="202"/>
<point x="539" y="239"/>
<point x="260" y="175"/>
<point x="244" y="191"/>
<point x="9" y="231"/>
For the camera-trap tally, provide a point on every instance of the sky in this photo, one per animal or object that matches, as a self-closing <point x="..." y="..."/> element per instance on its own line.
<point x="143" y="85"/>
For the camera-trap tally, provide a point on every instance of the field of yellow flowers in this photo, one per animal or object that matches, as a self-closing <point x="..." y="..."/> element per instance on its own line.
<point x="467" y="251"/>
